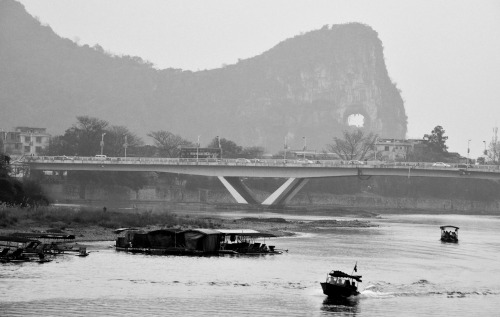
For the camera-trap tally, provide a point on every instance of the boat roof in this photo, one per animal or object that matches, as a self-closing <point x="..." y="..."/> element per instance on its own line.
<point x="204" y="231"/>
<point x="120" y="230"/>
<point x="16" y="239"/>
<point x="246" y="233"/>
<point x="345" y="275"/>
<point x="43" y="235"/>
<point x="167" y="230"/>
<point x="444" y="227"/>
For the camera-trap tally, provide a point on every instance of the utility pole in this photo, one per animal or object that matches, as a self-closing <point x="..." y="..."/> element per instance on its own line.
<point x="220" y="148"/>
<point x="468" y="151"/>
<point x="494" y="142"/>
<point x="305" y="146"/>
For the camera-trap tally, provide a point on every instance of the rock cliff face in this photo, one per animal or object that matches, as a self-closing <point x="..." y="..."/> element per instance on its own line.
<point x="309" y="86"/>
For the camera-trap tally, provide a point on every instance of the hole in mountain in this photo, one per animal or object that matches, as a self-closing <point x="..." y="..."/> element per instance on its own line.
<point x="356" y="119"/>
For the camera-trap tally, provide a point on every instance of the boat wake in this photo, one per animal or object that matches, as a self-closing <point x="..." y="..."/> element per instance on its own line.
<point x="420" y="288"/>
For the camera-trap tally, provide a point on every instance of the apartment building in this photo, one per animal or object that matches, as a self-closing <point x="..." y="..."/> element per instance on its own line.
<point x="25" y="140"/>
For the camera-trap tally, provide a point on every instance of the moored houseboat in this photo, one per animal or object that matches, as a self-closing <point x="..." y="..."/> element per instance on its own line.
<point x="194" y="241"/>
<point x="170" y="241"/>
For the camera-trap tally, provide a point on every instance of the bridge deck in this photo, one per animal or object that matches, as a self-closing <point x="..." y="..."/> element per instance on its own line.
<point x="260" y="168"/>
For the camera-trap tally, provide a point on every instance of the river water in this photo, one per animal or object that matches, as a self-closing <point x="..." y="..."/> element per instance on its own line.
<point x="406" y="271"/>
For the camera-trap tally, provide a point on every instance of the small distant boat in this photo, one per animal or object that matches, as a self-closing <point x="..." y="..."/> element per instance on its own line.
<point x="449" y="234"/>
<point x="341" y="285"/>
<point x="82" y="251"/>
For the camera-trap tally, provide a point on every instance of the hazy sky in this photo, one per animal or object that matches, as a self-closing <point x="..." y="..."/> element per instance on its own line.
<point x="443" y="55"/>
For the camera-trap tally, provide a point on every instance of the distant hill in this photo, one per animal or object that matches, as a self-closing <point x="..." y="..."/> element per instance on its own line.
<point x="304" y="86"/>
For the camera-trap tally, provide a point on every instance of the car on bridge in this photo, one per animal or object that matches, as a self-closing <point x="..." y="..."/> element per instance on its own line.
<point x="242" y="161"/>
<point x="440" y="164"/>
<point x="355" y="162"/>
<point x="305" y="161"/>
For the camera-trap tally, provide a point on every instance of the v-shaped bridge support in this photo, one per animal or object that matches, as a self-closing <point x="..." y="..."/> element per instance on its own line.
<point x="280" y="197"/>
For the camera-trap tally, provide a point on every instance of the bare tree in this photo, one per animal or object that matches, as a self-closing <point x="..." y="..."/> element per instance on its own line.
<point x="168" y="144"/>
<point x="493" y="152"/>
<point x="354" y="145"/>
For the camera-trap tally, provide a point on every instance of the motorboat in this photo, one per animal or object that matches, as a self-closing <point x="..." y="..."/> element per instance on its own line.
<point x="341" y="285"/>
<point x="449" y="234"/>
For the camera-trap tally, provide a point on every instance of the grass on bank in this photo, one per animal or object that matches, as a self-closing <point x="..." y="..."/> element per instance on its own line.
<point x="62" y="217"/>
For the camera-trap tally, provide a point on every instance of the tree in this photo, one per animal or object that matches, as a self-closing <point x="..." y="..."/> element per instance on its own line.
<point x="14" y="192"/>
<point x="168" y="144"/>
<point x="252" y="152"/>
<point x="229" y="148"/>
<point x="115" y="140"/>
<point x="436" y="141"/>
<point x="493" y="151"/>
<point x="58" y="146"/>
<point x="355" y="145"/>
<point x="435" y="148"/>
<point x="83" y="138"/>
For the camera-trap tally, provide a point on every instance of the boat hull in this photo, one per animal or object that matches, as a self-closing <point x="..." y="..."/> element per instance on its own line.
<point x="451" y="240"/>
<point x="332" y="290"/>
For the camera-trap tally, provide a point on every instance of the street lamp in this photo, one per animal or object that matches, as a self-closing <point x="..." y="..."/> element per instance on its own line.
<point x="468" y="151"/>
<point x="485" y="151"/>
<point x="31" y="142"/>
<point x="102" y="142"/>
<point x="220" y="148"/>
<point x="285" y="148"/>
<point x="305" y="146"/>
<point x="125" y="145"/>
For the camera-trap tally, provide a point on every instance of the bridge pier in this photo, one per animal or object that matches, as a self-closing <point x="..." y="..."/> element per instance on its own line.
<point x="238" y="190"/>
<point x="285" y="192"/>
<point x="243" y="195"/>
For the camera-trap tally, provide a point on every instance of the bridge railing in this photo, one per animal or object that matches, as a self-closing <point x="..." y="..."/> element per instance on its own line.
<point x="250" y="162"/>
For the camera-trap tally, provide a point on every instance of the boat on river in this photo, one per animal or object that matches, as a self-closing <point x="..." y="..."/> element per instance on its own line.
<point x="449" y="234"/>
<point x="16" y="249"/>
<point x="169" y="241"/>
<point x="341" y="285"/>
<point x="51" y="243"/>
<point x="194" y="241"/>
<point x="247" y="242"/>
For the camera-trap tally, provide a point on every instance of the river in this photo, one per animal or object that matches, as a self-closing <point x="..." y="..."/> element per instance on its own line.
<point x="406" y="271"/>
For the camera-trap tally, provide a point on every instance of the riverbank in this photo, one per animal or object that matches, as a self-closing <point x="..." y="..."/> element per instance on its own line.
<point x="63" y="221"/>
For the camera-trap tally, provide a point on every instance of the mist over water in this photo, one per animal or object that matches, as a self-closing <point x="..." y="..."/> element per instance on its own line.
<point x="406" y="271"/>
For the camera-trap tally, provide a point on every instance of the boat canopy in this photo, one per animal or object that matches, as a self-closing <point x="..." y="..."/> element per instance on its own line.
<point x="43" y="235"/>
<point x="345" y="275"/>
<point x="448" y="227"/>
<point x="16" y="239"/>
<point x="120" y="230"/>
<point x="246" y="233"/>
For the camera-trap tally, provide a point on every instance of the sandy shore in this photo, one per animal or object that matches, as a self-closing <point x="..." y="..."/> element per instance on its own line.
<point x="276" y="226"/>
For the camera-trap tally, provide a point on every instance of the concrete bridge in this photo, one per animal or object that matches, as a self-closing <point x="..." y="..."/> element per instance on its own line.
<point x="231" y="171"/>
